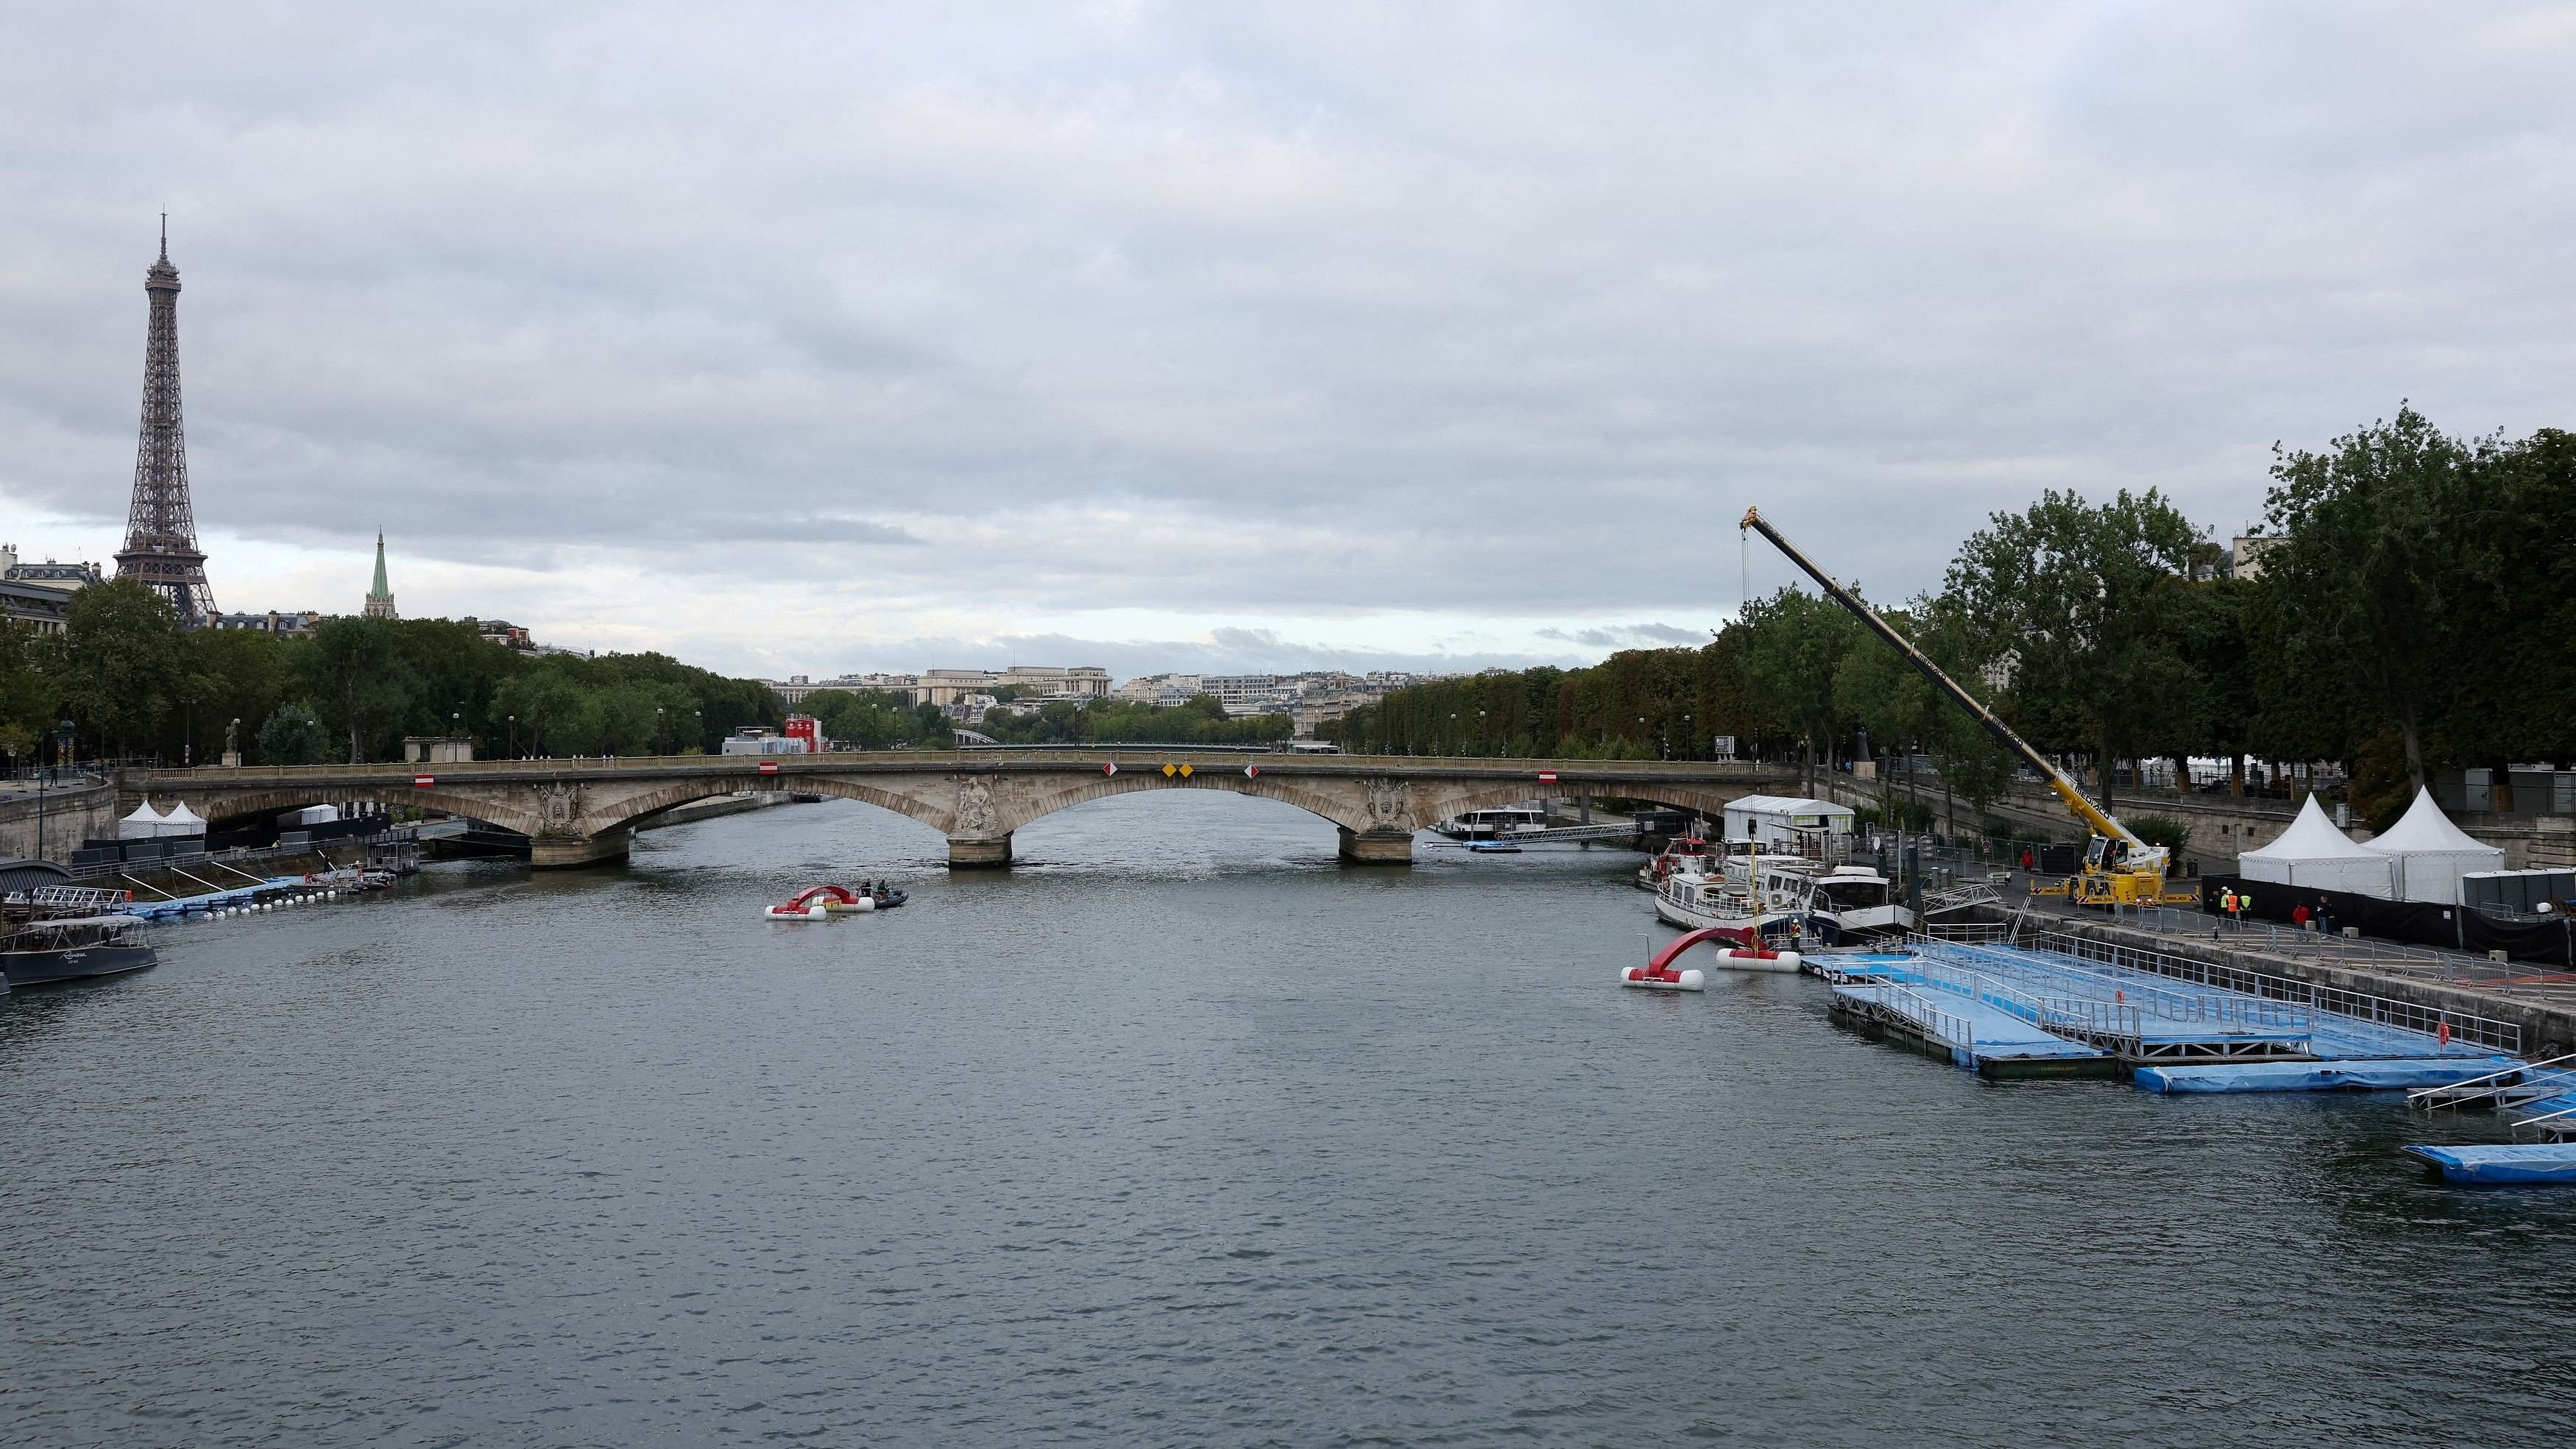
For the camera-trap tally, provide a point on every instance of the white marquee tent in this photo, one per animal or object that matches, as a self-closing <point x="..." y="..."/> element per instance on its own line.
<point x="2313" y="853"/>
<point x="143" y="824"/>
<point x="2430" y="854"/>
<point x="183" y="821"/>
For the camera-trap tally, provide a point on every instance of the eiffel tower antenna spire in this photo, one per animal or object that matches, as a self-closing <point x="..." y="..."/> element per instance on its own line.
<point x="161" y="526"/>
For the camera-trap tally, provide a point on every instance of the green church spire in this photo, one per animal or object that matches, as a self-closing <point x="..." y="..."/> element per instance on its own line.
<point x="380" y="599"/>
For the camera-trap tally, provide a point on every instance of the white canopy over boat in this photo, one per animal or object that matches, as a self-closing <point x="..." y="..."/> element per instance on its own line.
<point x="2430" y="854"/>
<point x="2313" y="853"/>
<point x="143" y="824"/>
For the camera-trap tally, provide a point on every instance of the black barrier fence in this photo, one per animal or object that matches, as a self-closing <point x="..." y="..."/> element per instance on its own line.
<point x="2424" y="923"/>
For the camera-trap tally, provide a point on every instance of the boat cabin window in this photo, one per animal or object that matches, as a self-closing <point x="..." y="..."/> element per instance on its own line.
<point x="1851" y="895"/>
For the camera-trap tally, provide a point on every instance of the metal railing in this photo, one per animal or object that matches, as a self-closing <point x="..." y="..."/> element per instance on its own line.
<point x="1946" y="1027"/>
<point x="2215" y="1009"/>
<point x="2434" y="1099"/>
<point x="2486" y="1031"/>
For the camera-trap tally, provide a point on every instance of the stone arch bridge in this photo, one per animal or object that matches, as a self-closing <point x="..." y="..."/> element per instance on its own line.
<point x="577" y="812"/>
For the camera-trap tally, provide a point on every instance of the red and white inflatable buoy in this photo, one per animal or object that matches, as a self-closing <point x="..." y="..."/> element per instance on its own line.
<point x="816" y="903"/>
<point x="1662" y="978"/>
<point x="1757" y="959"/>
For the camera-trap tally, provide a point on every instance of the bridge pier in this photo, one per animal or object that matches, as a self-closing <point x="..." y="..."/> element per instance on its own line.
<point x="1377" y="847"/>
<point x="559" y="853"/>
<point x="979" y="854"/>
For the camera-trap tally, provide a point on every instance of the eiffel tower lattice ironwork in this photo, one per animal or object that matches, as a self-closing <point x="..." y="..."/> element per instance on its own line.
<point x="161" y="527"/>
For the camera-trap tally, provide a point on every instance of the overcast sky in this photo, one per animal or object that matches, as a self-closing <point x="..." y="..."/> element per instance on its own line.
<point x="803" y="338"/>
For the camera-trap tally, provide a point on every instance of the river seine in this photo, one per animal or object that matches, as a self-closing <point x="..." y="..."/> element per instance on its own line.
<point x="1180" y="1134"/>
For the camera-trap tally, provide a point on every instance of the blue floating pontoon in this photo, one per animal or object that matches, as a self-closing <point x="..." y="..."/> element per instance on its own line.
<point x="2360" y="1075"/>
<point x="1970" y="1033"/>
<point x="2532" y="1162"/>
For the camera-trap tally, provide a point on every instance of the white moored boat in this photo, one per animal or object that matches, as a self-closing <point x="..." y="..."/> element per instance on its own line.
<point x="1719" y="909"/>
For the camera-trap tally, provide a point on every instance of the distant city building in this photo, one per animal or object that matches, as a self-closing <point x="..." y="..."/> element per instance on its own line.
<point x="794" y="688"/>
<point x="755" y="740"/>
<point x="501" y="632"/>
<point x="1998" y="672"/>
<point x="285" y="624"/>
<point x="1159" y="688"/>
<point x="37" y="606"/>
<point x="380" y="599"/>
<point x="2245" y="558"/>
<point x="1083" y="681"/>
<point x="66" y="576"/>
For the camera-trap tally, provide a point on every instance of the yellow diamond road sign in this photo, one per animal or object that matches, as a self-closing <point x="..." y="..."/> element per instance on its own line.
<point x="1185" y="772"/>
<point x="1168" y="771"/>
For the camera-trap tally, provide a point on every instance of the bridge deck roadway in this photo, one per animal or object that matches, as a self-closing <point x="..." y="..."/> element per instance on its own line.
<point x="579" y="811"/>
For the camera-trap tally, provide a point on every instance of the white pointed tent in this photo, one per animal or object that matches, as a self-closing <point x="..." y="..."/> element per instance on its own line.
<point x="183" y="821"/>
<point x="2430" y="854"/>
<point x="143" y="824"/>
<point x="2314" y="854"/>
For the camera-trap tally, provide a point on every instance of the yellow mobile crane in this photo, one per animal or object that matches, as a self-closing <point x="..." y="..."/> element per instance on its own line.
<point x="2119" y="868"/>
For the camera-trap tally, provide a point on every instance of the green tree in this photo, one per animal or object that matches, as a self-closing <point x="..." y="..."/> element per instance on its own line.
<point x="555" y="715"/>
<point x="1794" y="646"/>
<point x="227" y="675"/>
<point x="27" y="691"/>
<point x="354" y="674"/>
<point x="2387" y="571"/>
<point x="122" y="661"/>
<point x="293" y="735"/>
<point x="2084" y="598"/>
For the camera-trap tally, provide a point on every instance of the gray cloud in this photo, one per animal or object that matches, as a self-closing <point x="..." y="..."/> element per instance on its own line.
<point x="1628" y="636"/>
<point x="1274" y="313"/>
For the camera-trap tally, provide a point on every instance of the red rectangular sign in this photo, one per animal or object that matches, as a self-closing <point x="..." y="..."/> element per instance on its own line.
<point x="423" y="782"/>
<point x="769" y="767"/>
<point x="1547" y="777"/>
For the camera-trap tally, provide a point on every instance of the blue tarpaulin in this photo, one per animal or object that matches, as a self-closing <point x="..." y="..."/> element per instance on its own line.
<point x="2338" y="1076"/>
<point x="2534" y="1162"/>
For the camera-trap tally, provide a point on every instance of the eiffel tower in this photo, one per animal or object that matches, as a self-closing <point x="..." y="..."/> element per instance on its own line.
<point x="161" y="528"/>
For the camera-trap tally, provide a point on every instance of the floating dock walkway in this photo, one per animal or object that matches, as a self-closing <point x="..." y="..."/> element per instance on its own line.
<point x="2007" y="1011"/>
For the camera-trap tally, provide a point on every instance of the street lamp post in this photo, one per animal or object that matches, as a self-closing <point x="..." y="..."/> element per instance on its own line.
<point x="657" y="729"/>
<point x="514" y="737"/>
<point x="62" y="744"/>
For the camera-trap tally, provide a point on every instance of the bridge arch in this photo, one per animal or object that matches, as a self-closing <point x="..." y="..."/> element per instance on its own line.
<point x="1710" y="801"/>
<point x="1043" y="803"/>
<point x="627" y="812"/>
<point x="235" y="805"/>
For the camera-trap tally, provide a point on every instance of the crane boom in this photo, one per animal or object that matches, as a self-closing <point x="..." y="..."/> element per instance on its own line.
<point x="2091" y="814"/>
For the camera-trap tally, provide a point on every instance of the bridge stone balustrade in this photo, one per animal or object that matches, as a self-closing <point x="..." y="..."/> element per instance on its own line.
<point x="577" y="812"/>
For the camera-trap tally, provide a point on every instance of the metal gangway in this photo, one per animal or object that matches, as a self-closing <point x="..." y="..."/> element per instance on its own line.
<point x="75" y="900"/>
<point x="2514" y="1086"/>
<point x="1960" y="898"/>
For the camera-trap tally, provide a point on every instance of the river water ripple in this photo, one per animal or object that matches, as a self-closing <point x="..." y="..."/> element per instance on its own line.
<point x="1177" y="1134"/>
